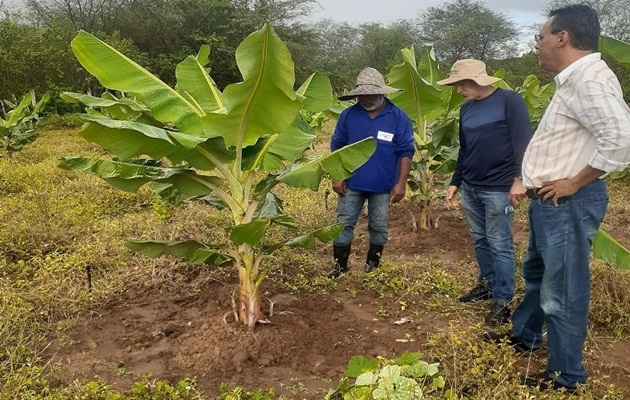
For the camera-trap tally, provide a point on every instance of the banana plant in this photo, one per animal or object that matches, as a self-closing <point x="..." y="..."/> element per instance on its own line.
<point x="229" y="149"/>
<point x="433" y="110"/>
<point x="605" y="247"/>
<point x="536" y="97"/>
<point x="16" y="129"/>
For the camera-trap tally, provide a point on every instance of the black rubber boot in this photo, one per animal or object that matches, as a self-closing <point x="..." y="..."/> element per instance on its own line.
<point x="373" y="257"/>
<point x="341" y="255"/>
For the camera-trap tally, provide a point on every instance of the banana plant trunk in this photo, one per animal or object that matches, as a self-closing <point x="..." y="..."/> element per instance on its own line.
<point x="426" y="219"/>
<point x="249" y="309"/>
<point x="426" y="213"/>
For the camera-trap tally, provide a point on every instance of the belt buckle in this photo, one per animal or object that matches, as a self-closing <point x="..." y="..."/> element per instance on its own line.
<point x="533" y="193"/>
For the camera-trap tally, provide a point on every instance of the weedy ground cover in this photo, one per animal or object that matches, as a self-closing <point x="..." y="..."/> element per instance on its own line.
<point x="64" y="269"/>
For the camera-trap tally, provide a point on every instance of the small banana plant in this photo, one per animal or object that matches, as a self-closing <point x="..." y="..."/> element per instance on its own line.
<point x="229" y="149"/>
<point x="17" y="126"/>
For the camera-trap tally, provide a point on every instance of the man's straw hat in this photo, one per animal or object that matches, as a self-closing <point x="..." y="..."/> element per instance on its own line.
<point x="474" y="70"/>
<point x="369" y="81"/>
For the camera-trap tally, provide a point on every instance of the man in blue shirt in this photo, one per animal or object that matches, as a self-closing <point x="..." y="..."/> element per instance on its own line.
<point x="494" y="130"/>
<point x="383" y="178"/>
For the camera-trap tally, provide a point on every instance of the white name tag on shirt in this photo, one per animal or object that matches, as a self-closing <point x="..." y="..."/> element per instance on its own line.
<point x="386" y="136"/>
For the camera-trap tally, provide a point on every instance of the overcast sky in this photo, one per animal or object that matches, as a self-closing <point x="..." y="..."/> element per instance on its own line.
<point x="523" y="13"/>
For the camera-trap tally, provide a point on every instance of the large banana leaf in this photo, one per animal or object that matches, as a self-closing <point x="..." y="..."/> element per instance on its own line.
<point x="317" y="91"/>
<point x="271" y="209"/>
<point x="124" y="108"/>
<point x="189" y="251"/>
<point x="606" y="248"/>
<point x="90" y="101"/>
<point x="617" y="49"/>
<point x="115" y="71"/>
<point x="339" y="164"/>
<point x="130" y="177"/>
<point x="265" y="102"/>
<point x="427" y="66"/>
<point x="418" y="98"/>
<point x="271" y="151"/>
<point x="193" y="80"/>
<point x="128" y="139"/>
<point x="195" y="252"/>
<point x="325" y="234"/>
<point x="251" y="233"/>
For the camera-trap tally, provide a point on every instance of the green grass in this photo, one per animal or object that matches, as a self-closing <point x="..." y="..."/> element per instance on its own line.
<point x="55" y="223"/>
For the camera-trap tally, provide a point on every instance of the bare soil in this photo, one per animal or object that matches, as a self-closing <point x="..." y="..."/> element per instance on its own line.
<point x="187" y="330"/>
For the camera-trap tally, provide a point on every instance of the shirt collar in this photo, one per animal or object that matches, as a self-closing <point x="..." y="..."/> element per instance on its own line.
<point x="566" y="73"/>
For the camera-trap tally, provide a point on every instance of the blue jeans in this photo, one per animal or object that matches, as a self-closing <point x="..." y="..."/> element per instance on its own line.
<point x="489" y="216"/>
<point x="557" y="278"/>
<point x="348" y="209"/>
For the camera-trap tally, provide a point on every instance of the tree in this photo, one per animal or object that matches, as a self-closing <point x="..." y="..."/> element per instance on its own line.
<point x="519" y="68"/>
<point x="335" y="47"/>
<point x="467" y="29"/>
<point x="613" y="15"/>
<point x="227" y="149"/>
<point x="378" y="45"/>
<point x="90" y="15"/>
<point x="168" y="30"/>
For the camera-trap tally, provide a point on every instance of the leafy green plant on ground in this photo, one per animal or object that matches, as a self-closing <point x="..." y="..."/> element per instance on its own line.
<point x="16" y="128"/>
<point x="228" y="149"/>
<point x="406" y="377"/>
<point x="239" y="393"/>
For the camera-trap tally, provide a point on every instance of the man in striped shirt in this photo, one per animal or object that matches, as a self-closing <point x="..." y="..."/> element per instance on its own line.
<point x="584" y="135"/>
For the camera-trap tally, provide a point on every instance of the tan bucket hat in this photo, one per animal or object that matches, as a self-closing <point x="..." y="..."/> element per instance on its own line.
<point x="474" y="70"/>
<point x="369" y="81"/>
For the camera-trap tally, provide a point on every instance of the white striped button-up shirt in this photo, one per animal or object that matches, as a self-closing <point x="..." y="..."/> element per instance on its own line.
<point x="586" y="123"/>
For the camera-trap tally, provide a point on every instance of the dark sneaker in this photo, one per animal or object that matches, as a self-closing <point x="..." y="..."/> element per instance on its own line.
<point x="544" y="382"/>
<point x="499" y="313"/>
<point x="510" y="340"/>
<point x="479" y="292"/>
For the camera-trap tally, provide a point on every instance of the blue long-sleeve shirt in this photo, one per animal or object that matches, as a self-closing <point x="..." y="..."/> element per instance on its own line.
<point x="393" y="133"/>
<point x="493" y="135"/>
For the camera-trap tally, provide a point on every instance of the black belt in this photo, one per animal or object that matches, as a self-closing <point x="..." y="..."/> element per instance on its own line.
<point x="532" y="193"/>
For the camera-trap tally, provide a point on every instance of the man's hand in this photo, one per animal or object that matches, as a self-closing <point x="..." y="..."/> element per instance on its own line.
<point x="339" y="188"/>
<point x="398" y="192"/>
<point x="517" y="192"/>
<point x="555" y="190"/>
<point x="450" y="196"/>
<point x="567" y="187"/>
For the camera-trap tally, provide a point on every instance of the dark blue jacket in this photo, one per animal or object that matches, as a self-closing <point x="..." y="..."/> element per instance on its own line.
<point x="394" y="140"/>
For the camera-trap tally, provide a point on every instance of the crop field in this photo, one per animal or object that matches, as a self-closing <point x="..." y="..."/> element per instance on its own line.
<point x="83" y="317"/>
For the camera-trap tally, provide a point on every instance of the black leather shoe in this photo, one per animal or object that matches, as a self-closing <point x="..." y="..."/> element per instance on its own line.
<point x="544" y="382"/>
<point x="479" y="292"/>
<point x="510" y="340"/>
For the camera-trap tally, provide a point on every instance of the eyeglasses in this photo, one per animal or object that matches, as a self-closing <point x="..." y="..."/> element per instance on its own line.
<point x="538" y="38"/>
